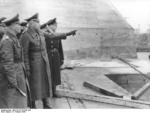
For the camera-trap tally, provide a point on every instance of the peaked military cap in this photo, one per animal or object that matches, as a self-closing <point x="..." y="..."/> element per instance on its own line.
<point x="23" y="23"/>
<point x="34" y="17"/>
<point x="15" y="19"/>
<point x="1" y="21"/>
<point x="51" y="21"/>
<point x="43" y="26"/>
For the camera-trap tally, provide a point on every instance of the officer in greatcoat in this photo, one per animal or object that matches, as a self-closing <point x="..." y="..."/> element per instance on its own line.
<point x="2" y="27"/>
<point x="12" y="75"/>
<point x="37" y="63"/>
<point x="55" y="50"/>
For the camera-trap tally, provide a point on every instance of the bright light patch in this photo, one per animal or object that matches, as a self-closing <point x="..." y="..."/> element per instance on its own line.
<point x="136" y="12"/>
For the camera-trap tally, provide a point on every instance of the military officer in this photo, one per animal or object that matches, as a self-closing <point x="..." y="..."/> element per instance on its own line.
<point x="24" y="28"/>
<point x="2" y="27"/>
<point x="55" y="50"/>
<point x="12" y="76"/>
<point x="37" y="63"/>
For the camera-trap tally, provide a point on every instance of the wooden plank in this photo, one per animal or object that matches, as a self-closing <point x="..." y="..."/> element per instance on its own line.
<point x="145" y="96"/>
<point x="104" y="91"/>
<point x="122" y="74"/>
<point x="75" y="103"/>
<point x="60" y="103"/>
<point x="97" y="105"/>
<point x="133" y="67"/>
<point x="104" y="99"/>
<point x="138" y="93"/>
<point x="106" y="85"/>
<point x="121" y="71"/>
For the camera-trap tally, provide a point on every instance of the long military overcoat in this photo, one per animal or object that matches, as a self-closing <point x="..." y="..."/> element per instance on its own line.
<point x="12" y="74"/>
<point x="37" y="63"/>
<point x="55" y="55"/>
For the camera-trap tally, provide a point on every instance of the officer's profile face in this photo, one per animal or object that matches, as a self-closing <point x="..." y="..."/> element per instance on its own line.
<point x="35" y="24"/>
<point x="17" y="28"/>
<point x="53" y="26"/>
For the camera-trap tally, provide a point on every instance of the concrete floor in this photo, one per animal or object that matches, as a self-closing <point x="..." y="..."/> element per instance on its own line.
<point x="73" y="80"/>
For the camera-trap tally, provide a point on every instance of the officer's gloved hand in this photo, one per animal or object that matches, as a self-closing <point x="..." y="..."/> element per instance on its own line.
<point x="72" y="33"/>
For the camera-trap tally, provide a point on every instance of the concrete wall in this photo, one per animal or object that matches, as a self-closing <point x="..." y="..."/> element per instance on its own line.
<point x="143" y="42"/>
<point x="99" y="44"/>
<point x="94" y="19"/>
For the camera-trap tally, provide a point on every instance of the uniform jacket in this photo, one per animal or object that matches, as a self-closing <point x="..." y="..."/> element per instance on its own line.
<point x="11" y="72"/>
<point x="53" y="40"/>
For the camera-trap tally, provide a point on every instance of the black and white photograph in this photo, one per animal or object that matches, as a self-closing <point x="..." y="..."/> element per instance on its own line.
<point x="74" y="54"/>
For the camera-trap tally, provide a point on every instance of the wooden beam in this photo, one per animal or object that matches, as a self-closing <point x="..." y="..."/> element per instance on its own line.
<point x="141" y="91"/>
<point x="100" y="90"/>
<point x="133" y="67"/>
<point x="75" y="103"/>
<point x="106" y="92"/>
<point x="121" y="74"/>
<point x="104" y="99"/>
<point x="100" y="105"/>
<point x="106" y="86"/>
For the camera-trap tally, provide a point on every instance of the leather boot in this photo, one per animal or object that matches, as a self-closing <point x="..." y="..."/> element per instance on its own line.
<point x="33" y="105"/>
<point x="54" y="91"/>
<point x="46" y="103"/>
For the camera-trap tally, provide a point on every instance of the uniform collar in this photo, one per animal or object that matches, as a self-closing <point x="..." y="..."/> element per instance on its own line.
<point x="33" y="33"/>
